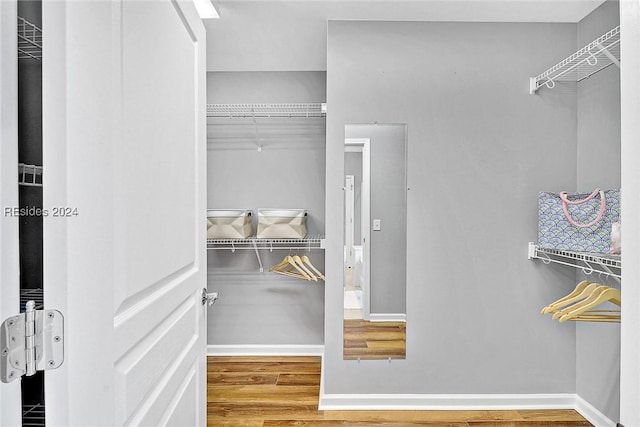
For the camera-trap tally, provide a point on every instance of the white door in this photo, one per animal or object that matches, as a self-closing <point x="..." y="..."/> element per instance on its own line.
<point x="124" y="138"/>
<point x="9" y="252"/>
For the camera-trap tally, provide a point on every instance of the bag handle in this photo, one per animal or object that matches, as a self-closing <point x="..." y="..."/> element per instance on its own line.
<point x="566" y="202"/>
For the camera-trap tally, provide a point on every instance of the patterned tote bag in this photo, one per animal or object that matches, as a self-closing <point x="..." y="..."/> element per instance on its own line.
<point x="578" y="222"/>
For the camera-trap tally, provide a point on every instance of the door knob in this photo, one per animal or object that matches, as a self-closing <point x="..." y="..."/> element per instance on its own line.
<point x="208" y="297"/>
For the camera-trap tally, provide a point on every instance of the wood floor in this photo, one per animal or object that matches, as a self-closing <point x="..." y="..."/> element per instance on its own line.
<point x="374" y="340"/>
<point x="283" y="392"/>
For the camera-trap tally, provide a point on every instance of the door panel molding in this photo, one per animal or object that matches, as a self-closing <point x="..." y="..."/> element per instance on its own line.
<point x="132" y="305"/>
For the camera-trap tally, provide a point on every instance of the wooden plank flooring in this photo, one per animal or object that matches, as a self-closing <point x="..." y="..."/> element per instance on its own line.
<point x="283" y="392"/>
<point x="374" y="340"/>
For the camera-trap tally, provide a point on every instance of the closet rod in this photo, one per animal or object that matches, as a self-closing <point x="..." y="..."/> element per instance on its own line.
<point x="595" y="72"/>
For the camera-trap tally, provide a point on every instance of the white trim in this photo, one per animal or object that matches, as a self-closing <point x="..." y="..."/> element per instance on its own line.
<point x="630" y="127"/>
<point x="206" y="9"/>
<point x="265" y="350"/>
<point x="358" y="142"/>
<point x="9" y="240"/>
<point x="450" y="402"/>
<point x="321" y="381"/>
<point x="461" y="402"/>
<point x="365" y="145"/>
<point x="388" y="317"/>
<point x="591" y="414"/>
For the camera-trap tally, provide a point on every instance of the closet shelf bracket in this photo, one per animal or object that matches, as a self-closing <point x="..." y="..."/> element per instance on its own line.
<point x="588" y="262"/>
<point x="592" y="58"/>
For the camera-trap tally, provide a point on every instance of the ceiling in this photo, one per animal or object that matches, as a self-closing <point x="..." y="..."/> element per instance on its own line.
<point x="291" y="35"/>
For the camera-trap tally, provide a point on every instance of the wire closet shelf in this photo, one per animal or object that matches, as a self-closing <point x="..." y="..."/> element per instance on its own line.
<point x="36" y="295"/>
<point x="308" y="243"/>
<point x="588" y="262"/>
<point x="300" y="110"/>
<point x="594" y="57"/>
<point x="29" y="40"/>
<point x="29" y="175"/>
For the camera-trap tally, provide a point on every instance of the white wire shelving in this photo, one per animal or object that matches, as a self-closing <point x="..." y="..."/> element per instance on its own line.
<point x="299" y="110"/>
<point x="33" y="414"/>
<point x="29" y="40"/>
<point x="266" y="125"/>
<point x="29" y="175"/>
<point x="308" y="243"/>
<point x="594" y="57"/>
<point x="602" y="264"/>
<point x="36" y="295"/>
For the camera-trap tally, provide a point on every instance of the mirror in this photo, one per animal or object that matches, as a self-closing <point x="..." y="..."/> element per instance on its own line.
<point x="375" y="241"/>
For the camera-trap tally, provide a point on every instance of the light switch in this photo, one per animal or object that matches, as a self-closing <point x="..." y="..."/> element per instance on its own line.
<point x="376" y="225"/>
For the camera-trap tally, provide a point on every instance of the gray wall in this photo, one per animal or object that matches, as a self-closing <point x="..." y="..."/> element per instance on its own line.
<point x="480" y="148"/>
<point x="598" y="345"/>
<point x="388" y="203"/>
<point x="288" y="172"/>
<point x="266" y="87"/>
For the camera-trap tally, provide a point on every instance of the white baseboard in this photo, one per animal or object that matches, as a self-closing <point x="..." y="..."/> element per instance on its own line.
<point x="591" y="414"/>
<point x="265" y="350"/>
<point x="466" y="402"/>
<point x="448" y="402"/>
<point x="387" y="317"/>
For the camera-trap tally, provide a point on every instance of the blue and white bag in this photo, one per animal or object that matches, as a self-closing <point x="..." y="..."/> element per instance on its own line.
<point x="578" y="222"/>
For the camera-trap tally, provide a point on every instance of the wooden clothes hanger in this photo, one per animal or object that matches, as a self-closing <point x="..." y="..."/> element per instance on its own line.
<point x="576" y="306"/>
<point x="307" y="261"/>
<point x="610" y="316"/>
<point x="581" y="292"/>
<point x="279" y="265"/>
<point x="289" y="267"/>
<point x="300" y="264"/>
<point x="554" y="306"/>
<point x="299" y="267"/>
<point x="588" y="292"/>
<point x="294" y="268"/>
<point x="598" y="297"/>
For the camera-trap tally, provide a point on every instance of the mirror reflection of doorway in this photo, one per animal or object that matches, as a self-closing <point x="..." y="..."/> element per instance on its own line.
<point x="353" y="308"/>
<point x="375" y="184"/>
<point x="356" y="280"/>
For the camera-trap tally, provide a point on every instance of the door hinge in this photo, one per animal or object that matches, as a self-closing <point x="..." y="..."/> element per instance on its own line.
<point x="31" y="341"/>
